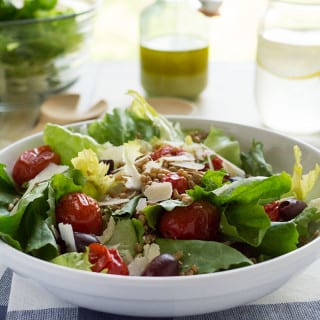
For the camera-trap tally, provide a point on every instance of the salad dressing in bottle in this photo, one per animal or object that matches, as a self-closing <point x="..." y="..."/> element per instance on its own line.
<point x="174" y="49"/>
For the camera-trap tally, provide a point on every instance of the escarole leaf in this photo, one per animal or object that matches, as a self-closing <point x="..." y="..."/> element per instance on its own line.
<point x="208" y="256"/>
<point x="140" y="109"/>
<point x="254" y="163"/>
<point x="303" y="184"/>
<point x="120" y="126"/>
<point x="138" y="121"/>
<point x="95" y="172"/>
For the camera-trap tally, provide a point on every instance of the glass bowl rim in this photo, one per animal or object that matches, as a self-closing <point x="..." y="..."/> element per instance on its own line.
<point x="91" y="9"/>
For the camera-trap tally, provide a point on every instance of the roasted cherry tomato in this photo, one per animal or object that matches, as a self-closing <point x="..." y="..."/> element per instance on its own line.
<point x="81" y="211"/>
<point x="217" y="163"/>
<point x="199" y="221"/>
<point x="166" y="150"/>
<point x="272" y="210"/>
<point x="31" y="162"/>
<point x="178" y="182"/>
<point x="103" y="258"/>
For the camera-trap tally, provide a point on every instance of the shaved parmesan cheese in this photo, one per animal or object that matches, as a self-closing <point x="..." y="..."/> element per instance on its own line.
<point x="181" y="157"/>
<point x="46" y="174"/>
<point x="137" y="266"/>
<point x="151" y="251"/>
<point x="189" y="165"/>
<point x="158" y="191"/>
<point x="113" y="201"/>
<point x="108" y="231"/>
<point x="140" y="262"/>
<point x="233" y="170"/>
<point x="113" y="152"/>
<point x="153" y="165"/>
<point x="142" y="203"/>
<point x="67" y="236"/>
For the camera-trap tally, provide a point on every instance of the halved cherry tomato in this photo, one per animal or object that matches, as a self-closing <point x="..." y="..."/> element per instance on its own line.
<point x="103" y="258"/>
<point x="272" y="210"/>
<point x="199" y="221"/>
<point x="81" y="211"/>
<point x="166" y="150"/>
<point x="31" y="162"/>
<point x="180" y="183"/>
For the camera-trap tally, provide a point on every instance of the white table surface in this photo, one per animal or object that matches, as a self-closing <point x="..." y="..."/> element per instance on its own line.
<point x="229" y="95"/>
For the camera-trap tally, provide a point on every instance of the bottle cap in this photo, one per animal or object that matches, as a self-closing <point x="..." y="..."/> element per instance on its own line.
<point x="210" y="8"/>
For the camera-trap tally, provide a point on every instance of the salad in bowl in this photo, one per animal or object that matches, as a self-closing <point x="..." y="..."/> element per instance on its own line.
<point x="134" y="194"/>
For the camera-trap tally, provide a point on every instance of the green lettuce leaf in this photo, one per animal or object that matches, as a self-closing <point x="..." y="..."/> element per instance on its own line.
<point x="76" y="260"/>
<point x="153" y="212"/>
<point x="281" y="238"/>
<point x="29" y="223"/>
<point x="304" y="186"/>
<point x="124" y="237"/>
<point x="6" y="183"/>
<point x="67" y="143"/>
<point x="224" y="145"/>
<point x="213" y="179"/>
<point x="208" y="256"/>
<point x="128" y="208"/>
<point x="67" y="182"/>
<point x="246" y="222"/>
<point x="308" y="224"/>
<point x="254" y="189"/>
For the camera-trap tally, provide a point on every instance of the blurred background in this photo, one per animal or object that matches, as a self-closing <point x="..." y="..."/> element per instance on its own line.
<point x="232" y="35"/>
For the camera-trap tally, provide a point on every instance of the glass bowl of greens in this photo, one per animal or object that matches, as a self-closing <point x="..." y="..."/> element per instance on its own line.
<point x="43" y="47"/>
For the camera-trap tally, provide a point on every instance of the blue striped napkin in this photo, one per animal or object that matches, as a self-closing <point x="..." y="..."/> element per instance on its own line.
<point x="299" y="299"/>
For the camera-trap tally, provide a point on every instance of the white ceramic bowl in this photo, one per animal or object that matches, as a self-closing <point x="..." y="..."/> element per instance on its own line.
<point x="173" y="296"/>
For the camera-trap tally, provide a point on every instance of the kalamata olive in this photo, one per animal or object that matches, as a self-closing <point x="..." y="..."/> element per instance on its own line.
<point x="163" y="265"/>
<point x="290" y="208"/>
<point x="246" y="249"/>
<point x="109" y="162"/>
<point x="83" y="240"/>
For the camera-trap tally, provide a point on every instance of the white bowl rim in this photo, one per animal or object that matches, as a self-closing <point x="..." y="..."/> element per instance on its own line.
<point x="132" y="279"/>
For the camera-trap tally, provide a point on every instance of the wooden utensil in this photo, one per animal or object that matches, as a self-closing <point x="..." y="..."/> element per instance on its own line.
<point x="62" y="109"/>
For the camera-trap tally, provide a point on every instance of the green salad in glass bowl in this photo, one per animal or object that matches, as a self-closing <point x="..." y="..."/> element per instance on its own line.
<point x="43" y="46"/>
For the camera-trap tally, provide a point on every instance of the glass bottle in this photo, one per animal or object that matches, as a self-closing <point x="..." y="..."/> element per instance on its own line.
<point x="287" y="86"/>
<point x="174" y="49"/>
